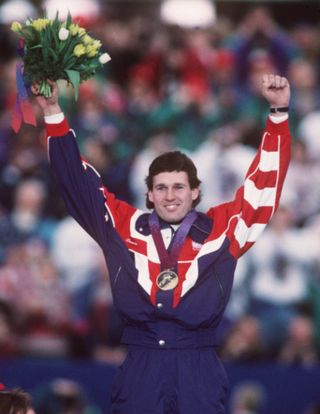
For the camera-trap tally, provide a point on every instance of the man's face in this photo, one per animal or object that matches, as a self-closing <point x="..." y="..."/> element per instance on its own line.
<point x="172" y="196"/>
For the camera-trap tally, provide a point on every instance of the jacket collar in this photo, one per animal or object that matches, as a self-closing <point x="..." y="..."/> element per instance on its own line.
<point x="199" y="231"/>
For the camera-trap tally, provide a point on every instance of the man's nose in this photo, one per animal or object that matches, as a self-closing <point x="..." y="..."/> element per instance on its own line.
<point x="170" y="194"/>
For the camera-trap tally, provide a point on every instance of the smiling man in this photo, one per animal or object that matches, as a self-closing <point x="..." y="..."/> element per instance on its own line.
<point x="172" y="270"/>
<point x="173" y="186"/>
<point x="172" y="196"/>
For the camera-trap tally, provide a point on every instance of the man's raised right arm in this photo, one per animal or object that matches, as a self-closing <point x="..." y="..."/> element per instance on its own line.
<point x="86" y="199"/>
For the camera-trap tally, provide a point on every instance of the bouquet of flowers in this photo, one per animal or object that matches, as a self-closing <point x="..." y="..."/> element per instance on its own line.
<point x="52" y="49"/>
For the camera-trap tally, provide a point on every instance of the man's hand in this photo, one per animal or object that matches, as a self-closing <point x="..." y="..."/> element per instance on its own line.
<point x="276" y="90"/>
<point x="50" y="106"/>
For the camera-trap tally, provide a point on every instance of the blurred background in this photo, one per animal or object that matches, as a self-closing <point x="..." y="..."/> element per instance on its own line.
<point x="184" y="74"/>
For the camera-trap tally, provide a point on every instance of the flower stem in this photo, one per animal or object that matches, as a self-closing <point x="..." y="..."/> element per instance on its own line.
<point x="45" y="89"/>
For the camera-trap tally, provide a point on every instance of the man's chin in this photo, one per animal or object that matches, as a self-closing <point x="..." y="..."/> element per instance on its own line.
<point x="172" y="218"/>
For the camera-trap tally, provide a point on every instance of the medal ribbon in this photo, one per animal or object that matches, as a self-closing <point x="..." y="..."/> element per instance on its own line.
<point x="169" y="258"/>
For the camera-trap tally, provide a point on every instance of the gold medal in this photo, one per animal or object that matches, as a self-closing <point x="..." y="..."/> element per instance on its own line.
<point x="167" y="280"/>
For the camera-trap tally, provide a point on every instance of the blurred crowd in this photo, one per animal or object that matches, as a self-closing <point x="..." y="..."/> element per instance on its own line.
<point x="166" y="87"/>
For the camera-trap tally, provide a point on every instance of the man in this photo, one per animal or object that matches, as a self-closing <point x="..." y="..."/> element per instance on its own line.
<point x="172" y="300"/>
<point x="15" y="401"/>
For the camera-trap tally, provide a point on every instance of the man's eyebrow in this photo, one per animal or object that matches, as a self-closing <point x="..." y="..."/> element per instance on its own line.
<point x="166" y="185"/>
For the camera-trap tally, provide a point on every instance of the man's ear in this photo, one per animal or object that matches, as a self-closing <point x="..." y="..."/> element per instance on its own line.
<point x="195" y="193"/>
<point x="150" y="196"/>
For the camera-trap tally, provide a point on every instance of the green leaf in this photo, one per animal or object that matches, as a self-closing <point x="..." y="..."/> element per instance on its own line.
<point x="69" y="19"/>
<point x="55" y="39"/>
<point x="48" y="36"/>
<point x="67" y="46"/>
<point x="54" y="55"/>
<point x="28" y="33"/>
<point x="74" y="77"/>
<point x="44" y="51"/>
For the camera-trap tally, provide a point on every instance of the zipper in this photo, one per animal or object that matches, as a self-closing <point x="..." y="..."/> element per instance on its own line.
<point x="200" y="229"/>
<point x="116" y="277"/>
<point x="219" y="283"/>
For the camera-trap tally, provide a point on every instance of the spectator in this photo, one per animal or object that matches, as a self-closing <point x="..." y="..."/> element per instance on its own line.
<point x="15" y="401"/>
<point x="27" y="219"/>
<point x="222" y="161"/>
<point x="259" y="45"/>
<point x="313" y="409"/>
<point x="302" y="186"/>
<point x="259" y="32"/>
<point x="312" y="231"/>
<point x="300" y="346"/>
<point x="244" y="341"/>
<point x="279" y="282"/>
<point x="63" y="396"/>
<point x="308" y="132"/>
<point x="30" y="285"/>
<point x="247" y="398"/>
<point x="303" y="75"/>
<point x="8" y="329"/>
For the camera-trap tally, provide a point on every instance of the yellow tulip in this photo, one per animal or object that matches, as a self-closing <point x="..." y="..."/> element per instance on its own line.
<point x="16" y="27"/>
<point x="87" y="39"/>
<point x="79" y="50"/>
<point x="40" y="24"/>
<point x="97" y="44"/>
<point x="74" y="29"/>
<point x="91" y="51"/>
<point x="82" y="31"/>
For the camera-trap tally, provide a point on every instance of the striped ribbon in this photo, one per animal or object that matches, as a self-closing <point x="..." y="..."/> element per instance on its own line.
<point x="168" y="258"/>
<point x="23" y="110"/>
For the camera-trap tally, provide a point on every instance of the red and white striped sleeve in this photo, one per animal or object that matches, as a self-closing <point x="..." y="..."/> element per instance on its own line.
<point x="256" y="200"/>
<point x="87" y="199"/>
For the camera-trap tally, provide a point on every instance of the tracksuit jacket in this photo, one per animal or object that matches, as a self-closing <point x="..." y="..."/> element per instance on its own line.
<point x="172" y="366"/>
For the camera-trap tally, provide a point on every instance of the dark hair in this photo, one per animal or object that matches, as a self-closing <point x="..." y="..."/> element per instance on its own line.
<point x="14" y="401"/>
<point x="169" y="162"/>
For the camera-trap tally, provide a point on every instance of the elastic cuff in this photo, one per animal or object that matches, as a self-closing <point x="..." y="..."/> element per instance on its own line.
<point x="57" y="130"/>
<point x="281" y="128"/>
<point x="278" y="119"/>
<point x="54" y="119"/>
